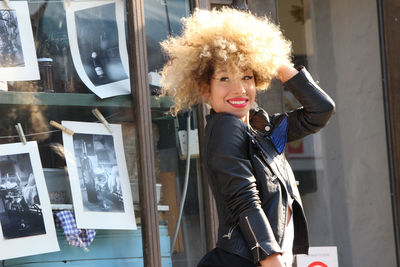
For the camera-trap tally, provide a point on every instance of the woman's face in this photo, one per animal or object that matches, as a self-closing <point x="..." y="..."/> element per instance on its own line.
<point x="232" y="92"/>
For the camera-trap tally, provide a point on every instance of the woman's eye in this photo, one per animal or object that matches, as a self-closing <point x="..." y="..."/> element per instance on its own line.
<point x="248" y="77"/>
<point x="223" y="79"/>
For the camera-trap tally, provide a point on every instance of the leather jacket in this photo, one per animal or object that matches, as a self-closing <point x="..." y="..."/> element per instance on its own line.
<point x="251" y="181"/>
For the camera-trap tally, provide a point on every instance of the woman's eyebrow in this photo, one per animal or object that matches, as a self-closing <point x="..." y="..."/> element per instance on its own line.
<point x="246" y="70"/>
<point x="221" y="71"/>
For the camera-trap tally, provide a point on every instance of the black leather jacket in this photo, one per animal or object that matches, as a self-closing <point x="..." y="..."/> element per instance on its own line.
<point x="251" y="181"/>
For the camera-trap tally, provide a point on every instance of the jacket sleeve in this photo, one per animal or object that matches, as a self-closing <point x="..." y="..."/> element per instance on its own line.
<point x="317" y="106"/>
<point x="229" y="163"/>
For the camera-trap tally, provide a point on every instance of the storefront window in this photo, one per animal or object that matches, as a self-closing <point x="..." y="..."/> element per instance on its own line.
<point x="163" y="19"/>
<point x="70" y="59"/>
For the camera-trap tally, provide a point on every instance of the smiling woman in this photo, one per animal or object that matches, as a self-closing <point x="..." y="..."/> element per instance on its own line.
<point x="222" y="57"/>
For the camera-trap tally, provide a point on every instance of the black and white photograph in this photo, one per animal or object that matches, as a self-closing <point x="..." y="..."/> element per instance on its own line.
<point x="20" y="209"/>
<point x="25" y="211"/>
<point x="98" y="46"/>
<point x="11" y="54"/>
<point x="18" y="61"/>
<point x="98" y="175"/>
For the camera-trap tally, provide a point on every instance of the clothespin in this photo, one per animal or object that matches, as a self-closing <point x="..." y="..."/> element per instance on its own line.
<point x="21" y="133"/>
<point x="7" y="4"/>
<point x="100" y="117"/>
<point x="61" y="127"/>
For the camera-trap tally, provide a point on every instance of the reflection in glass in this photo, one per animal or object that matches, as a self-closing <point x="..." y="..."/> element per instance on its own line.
<point x="163" y="18"/>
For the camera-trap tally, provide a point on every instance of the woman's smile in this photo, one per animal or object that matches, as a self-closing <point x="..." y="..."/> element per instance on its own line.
<point x="238" y="102"/>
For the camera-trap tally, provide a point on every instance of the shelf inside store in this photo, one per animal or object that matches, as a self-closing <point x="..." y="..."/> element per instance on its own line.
<point x="63" y="99"/>
<point x="70" y="207"/>
<point x="74" y="99"/>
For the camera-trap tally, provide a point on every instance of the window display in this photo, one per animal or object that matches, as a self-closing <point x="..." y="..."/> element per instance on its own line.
<point x="108" y="164"/>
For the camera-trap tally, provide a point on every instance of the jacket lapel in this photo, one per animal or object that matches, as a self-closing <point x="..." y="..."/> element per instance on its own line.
<point x="269" y="155"/>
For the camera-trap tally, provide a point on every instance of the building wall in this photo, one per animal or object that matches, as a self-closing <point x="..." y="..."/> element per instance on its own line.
<point x="352" y="207"/>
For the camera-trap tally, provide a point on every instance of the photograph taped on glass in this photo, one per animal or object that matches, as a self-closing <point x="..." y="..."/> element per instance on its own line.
<point x="18" y="61"/>
<point x="97" y="40"/>
<point x="98" y="175"/>
<point x="26" y="218"/>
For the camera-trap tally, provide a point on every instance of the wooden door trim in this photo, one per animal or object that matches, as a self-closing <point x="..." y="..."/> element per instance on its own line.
<point x="141" y="97"/>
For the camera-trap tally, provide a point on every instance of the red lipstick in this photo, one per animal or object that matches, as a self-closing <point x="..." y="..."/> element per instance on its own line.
<point x="238" y="102"/>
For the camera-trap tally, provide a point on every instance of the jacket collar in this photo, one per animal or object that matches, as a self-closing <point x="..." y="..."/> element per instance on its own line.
<point x="259" y="120"/>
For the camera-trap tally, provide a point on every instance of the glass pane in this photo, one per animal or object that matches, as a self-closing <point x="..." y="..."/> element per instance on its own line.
<point x="162" y="19"/>
<point x="342" y="170"/>
<point x="61" y="94"/>
<point x="49" y="28"/>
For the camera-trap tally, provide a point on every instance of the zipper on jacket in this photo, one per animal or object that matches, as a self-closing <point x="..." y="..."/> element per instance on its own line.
<point x="255" y="239"/>
<point x="229" y="234"/>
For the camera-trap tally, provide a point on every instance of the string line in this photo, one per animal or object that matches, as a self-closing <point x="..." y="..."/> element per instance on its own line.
<point x="53" y="131"/>
<point x="14" y="136"/>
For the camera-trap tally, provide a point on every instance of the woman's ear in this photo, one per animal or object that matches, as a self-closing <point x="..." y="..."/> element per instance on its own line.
<point x="206" y="95"/>
<point x="205" y="98"/>
<point x="205" y="91"/>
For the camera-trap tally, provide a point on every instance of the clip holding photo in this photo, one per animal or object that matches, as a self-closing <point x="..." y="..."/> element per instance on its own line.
<point x="7" y="5"/>
<point x="101" y="118"/>
<point x="20" y="133"/>
<point x="61" y="127"/>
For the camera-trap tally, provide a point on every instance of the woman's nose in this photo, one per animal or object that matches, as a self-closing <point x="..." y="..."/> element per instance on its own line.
<point x="239" y="88"/>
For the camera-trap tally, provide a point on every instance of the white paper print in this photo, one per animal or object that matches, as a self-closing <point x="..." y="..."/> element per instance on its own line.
<point x="319" y="257"/>
<point x="18" y="60"/>
<point x="26" y="220"/>
<point x="100" y="187"/>
<point x="97" y="41"/>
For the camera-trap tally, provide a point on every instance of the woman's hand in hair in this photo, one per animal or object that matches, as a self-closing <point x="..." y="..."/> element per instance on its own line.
<point x="285" y="72"/>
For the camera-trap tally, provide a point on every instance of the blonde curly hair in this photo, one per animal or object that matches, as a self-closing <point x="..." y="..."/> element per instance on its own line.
<point x="220" y="37"/>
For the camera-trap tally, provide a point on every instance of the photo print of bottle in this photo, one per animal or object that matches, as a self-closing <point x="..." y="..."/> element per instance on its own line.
<point x="98" y="175"/>
<point x="97" y="40"/>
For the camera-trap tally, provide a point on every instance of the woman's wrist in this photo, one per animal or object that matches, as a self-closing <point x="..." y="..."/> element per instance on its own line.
<point x="274" y="260"/>
<point x="286" y="72"/>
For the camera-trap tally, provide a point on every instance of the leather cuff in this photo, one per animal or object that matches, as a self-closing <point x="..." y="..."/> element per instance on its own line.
<point x="258" y="233"/>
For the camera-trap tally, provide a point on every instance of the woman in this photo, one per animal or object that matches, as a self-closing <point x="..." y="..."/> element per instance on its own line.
<point x="222" y="58"/>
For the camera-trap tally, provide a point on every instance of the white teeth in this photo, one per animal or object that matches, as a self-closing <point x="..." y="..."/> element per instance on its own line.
<point x="237" y="102"/>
